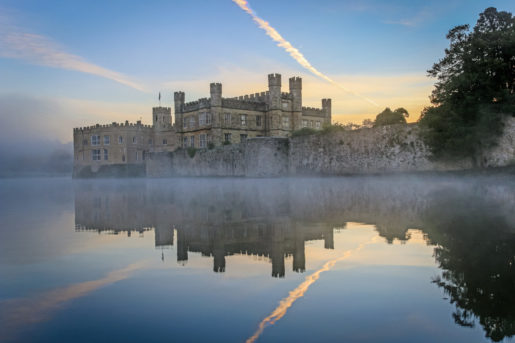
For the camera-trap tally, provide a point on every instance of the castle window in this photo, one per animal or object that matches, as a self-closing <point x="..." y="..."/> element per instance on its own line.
<point x="137" y="155"/>
<point x="243" y="118"/>
<point x="201" y="119"/>
<point x="192" y="122"/>
<point x="192" y="141"/>
<point x="165" y="142"/>
<point x="304" y="123"/>
<point x="208" y="118"/>
<point x="95" y="140"/>
<point x="120" y="139"/>
<point x="227" y="119"/>
<point x="227" y="137"/>
<point x="243" y="137"/>
<point x="107" y="140"/>
<point x="258" y="120"/>
<point x="150" y="142"/>
<point x="311" y="123"/>
<point x="318" y="124"/>
<point x="95" y="154"/>
<point x="286" y="122"/>
<point x="202" y="141"/>
<point x="184" y="123"/>
<point x="184" y="142"/>
<point x="106" y="154"/>
<point x="134" y="140"/>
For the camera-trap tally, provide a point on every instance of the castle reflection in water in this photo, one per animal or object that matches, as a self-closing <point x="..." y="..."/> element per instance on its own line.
<point x="469" y="222"/>
<point x="214" y="220"/>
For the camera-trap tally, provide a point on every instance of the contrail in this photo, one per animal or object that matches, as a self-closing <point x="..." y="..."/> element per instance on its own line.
<point x="40" y="50"/>
<point x="17" y="314"/>
<point x="294" y="52"/>
<point x="298" y="292"/>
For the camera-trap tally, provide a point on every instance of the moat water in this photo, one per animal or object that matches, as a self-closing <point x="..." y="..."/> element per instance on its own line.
<point x="391" y="259"/>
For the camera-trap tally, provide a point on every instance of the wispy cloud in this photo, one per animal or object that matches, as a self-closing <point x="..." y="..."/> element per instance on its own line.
<point x="40" y="50"/>
<point x="413" y="21"/>
<point x="294" y="52"/>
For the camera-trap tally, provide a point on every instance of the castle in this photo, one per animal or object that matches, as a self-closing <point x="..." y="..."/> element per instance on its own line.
<point x="201" y="124"/>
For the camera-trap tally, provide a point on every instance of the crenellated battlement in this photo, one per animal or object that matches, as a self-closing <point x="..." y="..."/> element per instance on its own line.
<point x="295" y="82"/>
<point x="241" y="103"/>
<point x="274" y="79"/>
<point x="96" y="127"/>
<point x="197" y="105"/>
<point x="255" y="97"/>
<point x="161" y="109"/>
<point x="286" y="96"/>
<point x="312" y="111"/>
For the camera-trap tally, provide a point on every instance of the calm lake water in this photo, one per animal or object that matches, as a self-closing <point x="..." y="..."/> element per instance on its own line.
<point x="393" y="259"/>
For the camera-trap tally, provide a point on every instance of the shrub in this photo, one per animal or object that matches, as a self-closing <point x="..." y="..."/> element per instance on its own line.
<point x="191" y="151"/>
<point x="305" y="131"/>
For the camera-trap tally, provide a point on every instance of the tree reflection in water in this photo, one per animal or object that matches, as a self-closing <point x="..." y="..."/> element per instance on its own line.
<point x="475" y="248"/>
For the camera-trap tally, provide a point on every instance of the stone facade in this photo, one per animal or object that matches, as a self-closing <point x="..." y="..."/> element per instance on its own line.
<point x="207" y="122"/>
<point x="273" y="113"/>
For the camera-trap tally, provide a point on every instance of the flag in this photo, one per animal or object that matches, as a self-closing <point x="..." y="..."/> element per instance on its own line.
<point x="159" y="96"/>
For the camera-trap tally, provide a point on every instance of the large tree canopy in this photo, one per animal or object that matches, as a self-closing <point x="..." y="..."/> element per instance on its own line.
<point x="389" y="117"/>
<point x="475" y="87"/>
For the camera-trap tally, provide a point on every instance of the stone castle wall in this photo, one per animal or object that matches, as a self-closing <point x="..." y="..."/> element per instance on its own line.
<point x="257" y="157"/>
<point x="388" y="149"/>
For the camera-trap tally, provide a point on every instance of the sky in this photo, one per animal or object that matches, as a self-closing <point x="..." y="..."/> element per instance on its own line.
<point x="66" y="64"/>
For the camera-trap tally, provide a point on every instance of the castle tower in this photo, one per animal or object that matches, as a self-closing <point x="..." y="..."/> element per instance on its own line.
<point x="215" y="89"/>
<point x="326" y="106"/>
<point x="182" y="247"/>
<point x="274" y="87"/>
<point x="299" y="256"/>
<point x="274" y="120"/>
<point x="161" y="118"/>
<point x="329" y="238"/>
<point x="178" y="98"/>
<point x="296" y="93"/>
<point x="218" y="253"/>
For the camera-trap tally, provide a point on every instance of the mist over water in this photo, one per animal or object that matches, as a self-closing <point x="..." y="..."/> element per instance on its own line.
<point x="369" y="259"/>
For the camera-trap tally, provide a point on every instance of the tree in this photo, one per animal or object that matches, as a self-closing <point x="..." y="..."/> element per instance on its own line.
<point x="475" y="87"/>
<point x="389" y="117"/>
<point x="367" y="123"/>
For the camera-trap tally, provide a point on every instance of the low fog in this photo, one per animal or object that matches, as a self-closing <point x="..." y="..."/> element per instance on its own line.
<point x="35" y="158"/>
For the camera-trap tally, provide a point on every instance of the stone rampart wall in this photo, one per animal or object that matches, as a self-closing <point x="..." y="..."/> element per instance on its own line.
<point x="257" y="157"/>
<point x="388" y="149"/>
